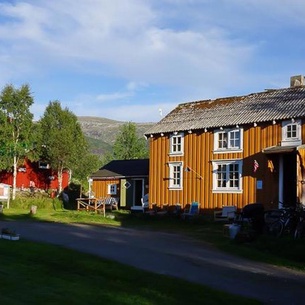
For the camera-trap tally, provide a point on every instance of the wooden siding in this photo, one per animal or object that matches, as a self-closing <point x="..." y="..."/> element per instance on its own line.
<point x="32" y="172"/>
<point x="198" y="155"/>
<point x="301" y="176"/>
<point x="100" y="187"/>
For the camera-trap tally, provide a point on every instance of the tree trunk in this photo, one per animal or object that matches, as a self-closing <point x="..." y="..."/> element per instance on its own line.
<point x="14" y="178"/>
<point x="59" y="175"/>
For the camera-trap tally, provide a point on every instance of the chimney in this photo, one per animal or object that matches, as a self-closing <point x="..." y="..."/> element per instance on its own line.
<point x="297" y="81"/>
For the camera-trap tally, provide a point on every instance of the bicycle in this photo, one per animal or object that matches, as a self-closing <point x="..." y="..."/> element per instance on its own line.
<point x="300" y="228"/>
<point x="281" y="221"/>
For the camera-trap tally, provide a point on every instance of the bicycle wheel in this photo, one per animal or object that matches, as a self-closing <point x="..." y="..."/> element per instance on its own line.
<point x="299" y="231"/>
<point x="276" y="229"/>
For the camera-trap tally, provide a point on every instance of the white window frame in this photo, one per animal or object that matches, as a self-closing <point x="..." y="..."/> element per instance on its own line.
<point x="230" y="136"/>
<point x="112" y="189"/>
<point x="175" y="182"/>
<point x="297" y="140"/>
<point x="227" y="188"/>
<point x="174" y="145"/>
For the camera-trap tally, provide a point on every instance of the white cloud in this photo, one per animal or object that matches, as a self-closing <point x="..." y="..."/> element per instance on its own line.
<point x="113" y="96"/>
<point x="119" y="35"/>
<point x="192" y="49"/>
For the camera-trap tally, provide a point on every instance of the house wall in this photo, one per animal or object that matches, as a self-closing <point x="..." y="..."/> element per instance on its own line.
<point x="100" y="187"/>
<point x="198" y="155"/>
<point x="127" y="196"/>
<point x="31" y="172"/>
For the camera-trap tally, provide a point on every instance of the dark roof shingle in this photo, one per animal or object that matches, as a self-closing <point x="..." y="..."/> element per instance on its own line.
<point x="265" y="106"/>
<point x="123" y="168"/>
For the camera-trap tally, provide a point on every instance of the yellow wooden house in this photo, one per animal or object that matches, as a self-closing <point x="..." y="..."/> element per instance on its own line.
<point x="231" y="151"/>
<point x="124" y="180"/>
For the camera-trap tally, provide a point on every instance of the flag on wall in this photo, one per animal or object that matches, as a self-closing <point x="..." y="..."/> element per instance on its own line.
<point x="255" y="166"/>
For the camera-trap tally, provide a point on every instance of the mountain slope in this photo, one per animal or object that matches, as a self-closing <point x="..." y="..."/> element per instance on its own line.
<point x="102" y="132"/>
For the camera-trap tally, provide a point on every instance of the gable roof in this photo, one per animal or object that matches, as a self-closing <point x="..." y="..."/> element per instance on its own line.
<point x="123" y="169"/>
<point x="278" y="104"/>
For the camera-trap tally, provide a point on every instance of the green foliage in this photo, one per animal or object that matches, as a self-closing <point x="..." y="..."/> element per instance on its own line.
<point x="16" y="124"/>
<point x="128" y="145"/>
<point x="86" y="165"/>
<point x="62" y="141"/>
<point x="25" y="199"/>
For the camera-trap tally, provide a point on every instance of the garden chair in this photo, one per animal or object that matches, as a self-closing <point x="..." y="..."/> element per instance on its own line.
<point x="192" y="211"/>
<point x="226" y="213"/>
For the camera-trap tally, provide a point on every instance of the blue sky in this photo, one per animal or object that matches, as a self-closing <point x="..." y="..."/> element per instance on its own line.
<point x="127" y="59"/>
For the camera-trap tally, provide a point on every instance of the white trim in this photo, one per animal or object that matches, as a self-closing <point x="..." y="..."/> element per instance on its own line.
<point x="111" y="189"/>
<point x="171" y="144"/>
<point x="228" y="133"/>
<point x="227" y="188"/>
<point x="295" y="140"/>
<point x="172" y="186"/>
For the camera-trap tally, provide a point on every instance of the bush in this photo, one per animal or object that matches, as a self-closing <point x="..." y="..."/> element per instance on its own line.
<point x="42" y="202"/>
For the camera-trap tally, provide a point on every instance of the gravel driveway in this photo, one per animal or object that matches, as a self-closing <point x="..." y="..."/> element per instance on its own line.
<point x="173" y="255"/>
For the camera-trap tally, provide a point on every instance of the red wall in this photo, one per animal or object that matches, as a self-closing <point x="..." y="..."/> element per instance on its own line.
<point x="41" y="177"/>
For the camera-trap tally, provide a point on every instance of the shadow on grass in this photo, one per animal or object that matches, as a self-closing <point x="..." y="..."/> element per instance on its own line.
<point x="278" y="251"/>
<point x="16" y="217"/>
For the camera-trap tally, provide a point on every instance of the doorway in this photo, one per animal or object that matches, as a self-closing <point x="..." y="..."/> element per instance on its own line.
<point x="288" y="187"/>
<point x="138" y="191"/>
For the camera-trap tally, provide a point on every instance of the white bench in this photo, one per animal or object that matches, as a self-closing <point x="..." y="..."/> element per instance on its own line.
<point x="226" y="213"/>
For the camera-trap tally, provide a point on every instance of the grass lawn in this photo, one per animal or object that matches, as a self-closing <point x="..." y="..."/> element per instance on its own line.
<point x="284" y="251"/>
<point x="37" y="273"/>
<point x="34" y="273"/>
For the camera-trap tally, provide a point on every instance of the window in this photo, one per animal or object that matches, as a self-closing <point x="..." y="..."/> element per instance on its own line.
<point x="176" y="144"/>
<point x="228" y="140"/>
<point x="175" y="175"/>
<point x="43" y="165"/>
<point x="291" y="132"/>
<point x="111" y="189"/>
<point x="227" y="176"/>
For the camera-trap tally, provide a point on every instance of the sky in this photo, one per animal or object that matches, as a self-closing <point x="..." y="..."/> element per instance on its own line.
<point x="136" y="60"/>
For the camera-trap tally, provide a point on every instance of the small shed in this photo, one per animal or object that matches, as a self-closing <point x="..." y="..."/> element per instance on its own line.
<point x="124" y="180"/>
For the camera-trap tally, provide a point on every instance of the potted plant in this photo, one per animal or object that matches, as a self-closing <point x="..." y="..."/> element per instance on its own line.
<point x="9" y="234"/>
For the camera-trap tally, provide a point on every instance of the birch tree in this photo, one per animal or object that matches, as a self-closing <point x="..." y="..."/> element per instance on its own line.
<point x="62" y="142"/>
<point x="16" y="127"/>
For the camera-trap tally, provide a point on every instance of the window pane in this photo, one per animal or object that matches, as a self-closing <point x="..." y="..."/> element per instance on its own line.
<point x="235" y="138"/>
<point x="176" y="144"/>
<point x="175" y="175"/>
<point x="222" y="140"/>
<point x="227" y="176"/>
<point x="221" y="176"/>
<point x="234" y="176"/>
<point x="292" y="131"/>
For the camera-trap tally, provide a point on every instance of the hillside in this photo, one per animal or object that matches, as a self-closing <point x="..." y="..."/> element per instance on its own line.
<point x="101" y="132"/>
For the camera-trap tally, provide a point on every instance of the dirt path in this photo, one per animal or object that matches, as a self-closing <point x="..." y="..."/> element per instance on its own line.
<point x="174" y="255"/>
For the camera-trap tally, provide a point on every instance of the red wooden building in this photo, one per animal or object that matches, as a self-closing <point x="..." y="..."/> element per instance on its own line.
<point x="38" y="172"/>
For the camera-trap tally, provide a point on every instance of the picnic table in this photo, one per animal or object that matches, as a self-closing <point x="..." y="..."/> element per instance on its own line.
<point x="91" y="204"/>
<point x="97" y="204"/>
